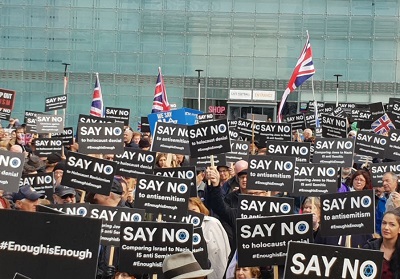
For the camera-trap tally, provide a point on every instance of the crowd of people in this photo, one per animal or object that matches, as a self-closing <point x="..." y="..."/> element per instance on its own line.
<point x="218" y="189"/>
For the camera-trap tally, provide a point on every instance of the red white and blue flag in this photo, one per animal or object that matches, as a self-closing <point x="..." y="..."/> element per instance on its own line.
<point x="382" y="125"/>
<point x="304" y="70"/>
<point x="97" y="108"/>
<point x="160" y="102"/>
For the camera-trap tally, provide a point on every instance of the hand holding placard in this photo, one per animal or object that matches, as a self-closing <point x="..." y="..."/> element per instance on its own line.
<point x="212" y="175"/>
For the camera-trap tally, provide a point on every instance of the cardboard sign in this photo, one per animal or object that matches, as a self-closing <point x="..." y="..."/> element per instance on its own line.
<point x="392" y="150"/>
<point x="239" y="151"/>
<point x="46" y="146"/>
<point x="194" y="218"/>
<point x="251" y="206"/>
<point x="204" y="162"/>
<point x="158" y="194"/>
<point x="135" y="161"/>
<point x="360" y="115"/>
<point x="334" y="151"/>
<point x="88" y="173"/>
<point x="297" y="121"/>
<point x="118" y="114"/>
<point x="55" y="103"/>
<point x="205" y="117"/>
<point x="200" y="248"/>
<point x="378" y="170"/>
<point x="30" y="121"/>
<point x="183" y="173"/>
<point x="271" y="173"/>
<point x="348" y="213"/>
<point x="376" y="110"/>
<point x="7" y="98"/>
<point x="333" y="127"/>
<point x="43" y="183"/>
<point x="370" y="144"/>
<point x="75" y="250"/>
<point x="99" y="138"/>
<point x="83" y="118"/>
<point x="300" y="150"/>
<point x="67" y="136"/>
<point x="209" y="138"/>
<point x="11" y="165"/>
<point x="316" y="261"/>
<point x="46" y="124"/>
<point x="263" y="241"/>
<point x="170" y="138"/>
<point x="144" y="245"/>
<point x="144" y="124"/>
<point x="315" y="179"/>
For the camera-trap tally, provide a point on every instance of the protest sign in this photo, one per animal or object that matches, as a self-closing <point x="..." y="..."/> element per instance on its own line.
<point x="46" y="124"/>
<point x="204" y="162"/>
<point x="251" y="206"/>
<point x="334" y="151"/>
<point x="209" y="138"/>
<point x="310" y="121"/>
<point x="159" y="194"/>
<point x="315" y="179"/>
<point x="99" y="138"/>
<point x="392" y="150"/>
<point x="271" y="173"/>
<point x="348" y="213"/>
<point x="55" y="103"/>
<point x="333" y="127"/>
<point x="46" y="146"/>
<point x="200" y="248"/>
<point x="370" y="144"/>
<point x="379" y="169"/>
<point x="67" y="136"/>
<point x="205" y="117"/>
<point x="297" y="121"/>
<point x="43" y="183"/>
<point x="183" y="173"/>
<point x="170" y="138"/>
<point x="339" y="112"/>
<point x="11" y="164"/>
<point x="144" y="125"/>
<point x="315" y="261"/>
<point x="7" y="99"/>
<point x="118" y="114"/>
<point x="376" y="110"/>
<point x="194" y="218"/>
<point x="30" y="121"/>
<point x="233" y="133"/>
<point x="83" y="118"/>
<point x="76" y="250"/>
<point x="144" y="245"/>
<point x="135" y="161"/>
<point x="239" y="151"/>
<point x="274" y="131"/>
<point x="88" y="173"/>
<point x="300" y="150"/>
<point x="394" y="113"/>
<point x="360" y="115"/>
<point x="263" y="241"/>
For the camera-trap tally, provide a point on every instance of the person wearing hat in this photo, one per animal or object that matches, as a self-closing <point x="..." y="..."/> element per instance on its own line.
<point x="114" y="199"/>
<point x="27" y="198"/>
<point x="224" y="174"/>
<point x="33" y="165"/>
<point x="63" y="194"/>
<point x="144" y="144"/>
<point x="183" y="266"/>
<point x="233" y="183"/>
<point x="58" y="172"/>
<point x="52" y="161"/>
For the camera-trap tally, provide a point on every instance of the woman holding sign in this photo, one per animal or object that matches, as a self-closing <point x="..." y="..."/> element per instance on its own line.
<point x="389" y="244"/>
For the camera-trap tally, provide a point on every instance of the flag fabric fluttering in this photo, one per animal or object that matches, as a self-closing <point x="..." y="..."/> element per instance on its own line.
<point x="97" y="108"/>
<point x="382" y="125"/>
<point x="160" y="101"/>
<point x="304" y="70"/>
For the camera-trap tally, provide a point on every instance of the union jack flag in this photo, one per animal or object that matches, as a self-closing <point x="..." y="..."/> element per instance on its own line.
<point x="382" y="125"/>
<point x="160" y="101"/>
<point x="97" y="108"/>
<point x="304" y="70"/>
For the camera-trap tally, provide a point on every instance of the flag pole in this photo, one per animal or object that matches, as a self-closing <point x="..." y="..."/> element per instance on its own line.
<point x="65" y="93"/>
<point x="199" y="92"/>
<point x="337" y="88"/>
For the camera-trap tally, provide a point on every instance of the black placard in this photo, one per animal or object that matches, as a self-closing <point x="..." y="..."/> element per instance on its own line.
<point x="181" y="172"/>
<point x="135" y="161"/>
<point x="200" y="248"/>
<point x="310" y="120"/>
<point x="47" y="124"/>
<point x="99" y="138"/>
<point x="11" y="164"/>
<point x="348" y="213"/>
<point x="144" y="245"/>
<point x="144" y="124"/>
<point x="300" y="150"/>
<point x="43" y="183"/>
<point x="55" y="103"/>
<point x="7" y="99"/>
<point x="263" y="241"/>
<point x="370" y="144"/>
<point x="53" y="240"/>
<point x="204" y="162"/>
<point x="271" y="173"/>
<point x="316" y="261"/>
<point x="5" y="113"/>
<point x="239" y="151"/>
<point x="166" y="195"/>
<point x="394" y="113"/>
<point x="118" y="114"/>
<point x="46" y="146"/>
<point x="378" y="170"/>
<point x="251" y="206"/>
<point x="315" y="179"/>
<point x="297" y="121"/>
<point x="30" y="121"/>
<point x="83" y="118"/>
<point x="194" y="218"/>
<point x="67" y="136"/>
<point x="233" y="133"/>
<point x="209" y="138"/>
<point x="392" y="150"/>
<point x="376" y="110"/>
<point x="360" y="115"/>
<point x="333" y="127"/>
<point x="334" y="151"/>
<point x="171" y="138"/>
<point x="88" y="173"/>
<point x="205" y="117"/>
<point x="339" y="112"/>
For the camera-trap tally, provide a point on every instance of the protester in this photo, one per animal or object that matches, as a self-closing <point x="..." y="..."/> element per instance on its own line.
<point x="360" y="180"/>
<point x="161" y="160"/>
<point x="123" y="275"/>
<point x="247" y="273"/>
<point x="346" y="174"/>
<point x="233" y="182"/>
<point x="224" y="174"/>
<point x="26" y="199"/>
<point x="58" y="171"/>
<point x="34" y="165"/>
<point x="4" y="203"/>
<point x="63" y="194"/>
<point x="390" y="185"/>
<point x="52" y="161"/>
<point x="200" y="184"/>
<point x="144" y="144"/>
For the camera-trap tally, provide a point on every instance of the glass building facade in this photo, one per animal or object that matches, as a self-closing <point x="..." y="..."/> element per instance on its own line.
<point x="239" y="44"/>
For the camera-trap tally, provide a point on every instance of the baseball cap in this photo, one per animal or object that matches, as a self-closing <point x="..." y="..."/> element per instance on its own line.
<point x="27" y="192"/>
<point x="62" y="190"/>
<point x="54" y="158"/>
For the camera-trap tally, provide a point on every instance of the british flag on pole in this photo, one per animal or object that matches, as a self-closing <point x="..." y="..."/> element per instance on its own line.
<point x="382" y="125"/>
<point x="160" y="101"/>
<point x="304" y="70"/>
<point x="97" y="108"/>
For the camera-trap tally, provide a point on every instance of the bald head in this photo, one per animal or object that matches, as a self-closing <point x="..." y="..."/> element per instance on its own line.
<point x="16" y="148"/>
<point x="241" y="165"/>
